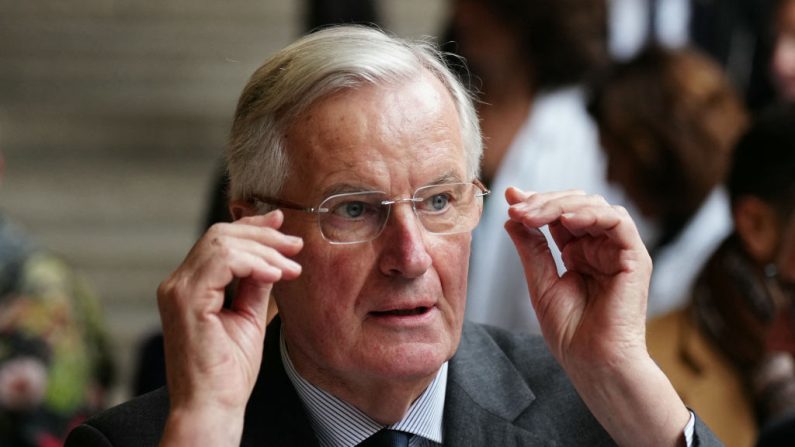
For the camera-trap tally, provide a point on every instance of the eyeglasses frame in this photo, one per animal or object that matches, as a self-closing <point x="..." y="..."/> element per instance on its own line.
<point x="288" y="204"/>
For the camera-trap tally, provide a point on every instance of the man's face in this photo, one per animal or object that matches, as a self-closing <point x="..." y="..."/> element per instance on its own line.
<point x="392" y="308"/>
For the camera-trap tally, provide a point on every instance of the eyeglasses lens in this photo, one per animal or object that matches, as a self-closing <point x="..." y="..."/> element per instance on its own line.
<point x="360" y="217"/>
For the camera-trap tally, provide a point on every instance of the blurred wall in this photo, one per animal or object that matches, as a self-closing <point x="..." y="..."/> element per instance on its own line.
<point x="112" y="117"/>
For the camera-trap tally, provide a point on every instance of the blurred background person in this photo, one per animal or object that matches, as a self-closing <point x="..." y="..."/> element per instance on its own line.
<point x="55" y="365"/>
<point x="729" y="353"/>
<point x="668" y="120"/>
<point x="782" y="64"/>
<point x="734" y="33"/>
<point x="526" y="61"/>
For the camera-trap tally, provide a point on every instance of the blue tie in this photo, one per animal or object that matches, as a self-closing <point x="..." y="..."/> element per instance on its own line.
<point x="387" y="438"/>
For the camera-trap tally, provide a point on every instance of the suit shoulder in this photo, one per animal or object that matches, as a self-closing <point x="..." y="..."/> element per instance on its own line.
<point x="528" y="356"/>
<point x="514" y="377"/>
<point x="138" y="422"/>
<point x="526" y="351"/>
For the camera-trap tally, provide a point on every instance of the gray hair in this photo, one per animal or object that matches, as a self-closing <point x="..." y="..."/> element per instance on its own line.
<point x="317" y="65"/>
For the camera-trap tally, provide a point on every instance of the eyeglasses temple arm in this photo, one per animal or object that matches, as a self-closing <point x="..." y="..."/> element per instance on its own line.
<point x="483" y="190"/>
<point x="283" y="203"/>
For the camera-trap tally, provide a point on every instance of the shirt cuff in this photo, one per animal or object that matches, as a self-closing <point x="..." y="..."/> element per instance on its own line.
<point x="689" y="429"/>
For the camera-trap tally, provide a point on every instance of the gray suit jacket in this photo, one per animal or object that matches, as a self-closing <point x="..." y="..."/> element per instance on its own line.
<point x="503" y="390"/>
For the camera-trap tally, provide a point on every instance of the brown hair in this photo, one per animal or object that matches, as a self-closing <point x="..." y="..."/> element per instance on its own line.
<point x="563" y="41"/>
<point x="674" y="117"/>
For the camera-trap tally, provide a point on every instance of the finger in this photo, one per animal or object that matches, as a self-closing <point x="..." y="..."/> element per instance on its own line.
<point x="522" y="210"/>
<point x="231" y="258"/>
<point x="270" y="254"/>
<point x="199" y="292"/>
<point x="251" y="300"/>
<point x="544" y="208"/>
<point x="609" y="221"/>
<point x="289" y="268"/>
<point x="539" y="266"/>
<point x="289" y="245"/>
<point x="560" y="234"/>
<point x="212" y="265"/>
<point x="516" y="196"/>
<point x="591" y="259"/>
<point x="614" y="244"/>
<point x="578" y="215"/>
<point x="272" y="219"/>
<point x="239" y="250"/>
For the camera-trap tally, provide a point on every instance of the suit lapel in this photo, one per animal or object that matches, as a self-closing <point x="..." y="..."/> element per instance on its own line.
<point x="485" y="394"/>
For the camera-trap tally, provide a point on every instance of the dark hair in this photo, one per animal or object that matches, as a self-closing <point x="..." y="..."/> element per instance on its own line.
<point x="674" y="117"/>
<point x="562" y="40"/>
<point x="764" y="160"/>
<point x="323" y="13"/>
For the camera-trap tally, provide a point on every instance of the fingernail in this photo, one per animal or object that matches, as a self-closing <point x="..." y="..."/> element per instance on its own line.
<point x="294" y="266"/>
<point x="273" y="213"/>
<point x="523" y="193"/>
<point x="295" y="240"/>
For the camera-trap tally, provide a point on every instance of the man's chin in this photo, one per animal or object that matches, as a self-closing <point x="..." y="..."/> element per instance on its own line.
<point x="411" y="360"/>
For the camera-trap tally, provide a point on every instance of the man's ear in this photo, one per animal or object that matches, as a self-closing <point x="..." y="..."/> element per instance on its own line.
<point x="756" y="223"/>
<point x="239" y="209"/>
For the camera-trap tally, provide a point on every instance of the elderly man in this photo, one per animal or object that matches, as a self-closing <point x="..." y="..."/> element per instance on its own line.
<point x="353" y="161"/>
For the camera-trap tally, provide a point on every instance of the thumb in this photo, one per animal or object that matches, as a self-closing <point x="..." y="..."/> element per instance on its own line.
<point x="251" y="299"/>
<point x="539" y="265"/>
<point x="515" y="195"/>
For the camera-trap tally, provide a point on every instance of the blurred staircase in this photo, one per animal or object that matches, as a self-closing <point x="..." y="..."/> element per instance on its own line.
<point x="113" y="116"/>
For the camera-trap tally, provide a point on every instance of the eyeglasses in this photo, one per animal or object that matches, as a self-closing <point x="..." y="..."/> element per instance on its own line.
<point x="350" y="218"/>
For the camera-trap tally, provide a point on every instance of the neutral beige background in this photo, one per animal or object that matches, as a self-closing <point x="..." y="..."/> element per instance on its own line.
<point x="112" y="116"/>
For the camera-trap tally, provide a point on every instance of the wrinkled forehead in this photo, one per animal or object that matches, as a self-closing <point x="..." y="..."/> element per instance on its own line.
<point x="404" y="132"/>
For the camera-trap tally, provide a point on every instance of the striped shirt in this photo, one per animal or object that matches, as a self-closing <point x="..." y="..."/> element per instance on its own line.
<point x="339" y="424"/>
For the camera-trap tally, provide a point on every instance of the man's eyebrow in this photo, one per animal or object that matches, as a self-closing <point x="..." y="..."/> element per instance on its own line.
<point x="448" y="177"/>
<point x="343" y="188"/>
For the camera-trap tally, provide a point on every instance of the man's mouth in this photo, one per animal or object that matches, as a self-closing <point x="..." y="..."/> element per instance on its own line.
<point x="402" y="312"/>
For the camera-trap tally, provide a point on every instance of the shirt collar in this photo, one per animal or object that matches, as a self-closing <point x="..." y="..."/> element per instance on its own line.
<point x="338" y="423"/>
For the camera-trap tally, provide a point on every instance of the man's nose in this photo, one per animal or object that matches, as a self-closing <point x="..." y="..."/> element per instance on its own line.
<point x="403" y="247"/>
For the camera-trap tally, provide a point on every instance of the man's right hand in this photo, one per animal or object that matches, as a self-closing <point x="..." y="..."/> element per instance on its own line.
<point x="213" y="353"/>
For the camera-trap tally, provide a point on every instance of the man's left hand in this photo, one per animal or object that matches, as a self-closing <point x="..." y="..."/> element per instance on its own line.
<point x="596" y="311"/>
<point x="593" y="316"/>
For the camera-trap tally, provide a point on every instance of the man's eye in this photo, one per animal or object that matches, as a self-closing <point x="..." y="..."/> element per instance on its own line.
<point x="437" y="202"/>
<point x="350" y="210"/>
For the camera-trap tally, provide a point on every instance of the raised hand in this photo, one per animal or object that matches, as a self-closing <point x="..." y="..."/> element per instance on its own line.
<point x="213" y="354"/>
<point x="593" y="316"/>
<point x="597" y="309"/>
